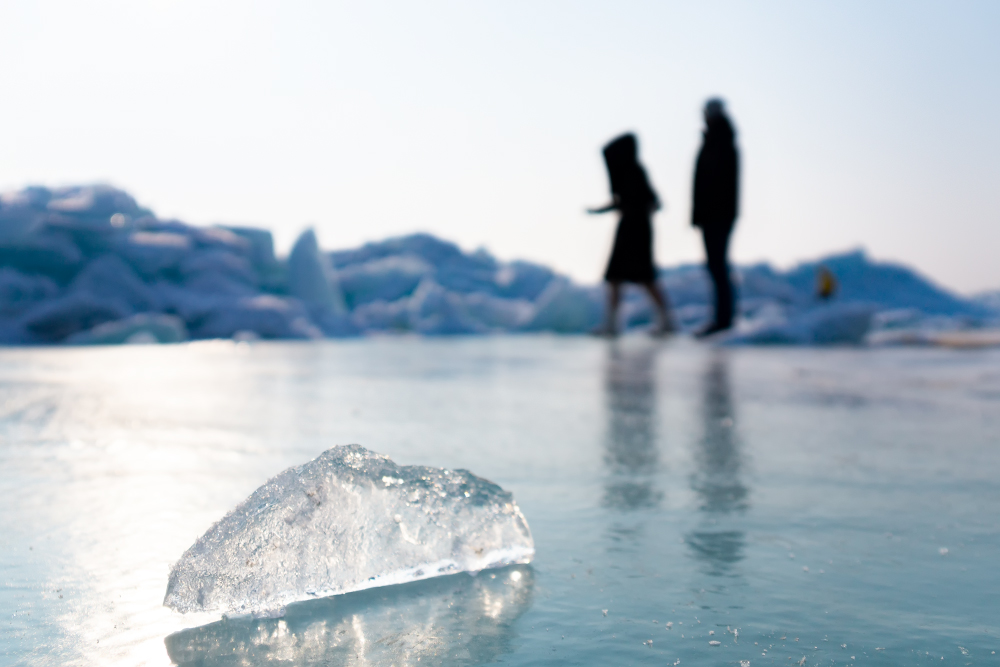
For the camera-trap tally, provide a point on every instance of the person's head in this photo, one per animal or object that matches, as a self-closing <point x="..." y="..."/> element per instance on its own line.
<point x="622" y="150"/>
<point x="715" y="108"/>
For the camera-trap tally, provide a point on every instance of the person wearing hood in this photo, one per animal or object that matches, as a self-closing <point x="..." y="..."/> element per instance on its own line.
<point x="715" y="207"/>
<point x="632" y="255"/>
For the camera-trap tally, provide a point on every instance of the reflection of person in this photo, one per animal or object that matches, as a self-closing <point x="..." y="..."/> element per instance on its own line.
<point x="716" y="192"/>
<point x="718" y="456"/>
<point x="631" y="450"/>
<point x="717" y="480"/>
<point x="632" y="256"/>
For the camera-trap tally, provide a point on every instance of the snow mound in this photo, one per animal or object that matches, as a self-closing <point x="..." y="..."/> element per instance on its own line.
<point x="348" y="520"/>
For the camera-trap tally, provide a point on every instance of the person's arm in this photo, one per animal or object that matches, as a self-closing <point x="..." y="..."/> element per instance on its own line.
<point x="613" y="205"/>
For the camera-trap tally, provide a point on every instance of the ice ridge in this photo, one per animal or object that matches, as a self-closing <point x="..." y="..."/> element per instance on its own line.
<point x="348" y="520"/>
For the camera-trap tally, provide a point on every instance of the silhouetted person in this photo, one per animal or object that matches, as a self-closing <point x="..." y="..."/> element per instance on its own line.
<point x="716" y="194"/>
<point x="632" y="256"/>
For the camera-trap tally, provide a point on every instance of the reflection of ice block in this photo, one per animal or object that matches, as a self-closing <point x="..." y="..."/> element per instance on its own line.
<point x="346" y="521"/>
<point x="417" y="623"/>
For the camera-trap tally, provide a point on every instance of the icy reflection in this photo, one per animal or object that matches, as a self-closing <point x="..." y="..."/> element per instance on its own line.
<point x="631" y="451"/>
<point x="717" y="479"/>
<point x="461" y="619"/>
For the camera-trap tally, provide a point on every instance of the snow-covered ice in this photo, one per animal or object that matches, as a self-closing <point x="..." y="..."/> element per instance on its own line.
<point x="348" y="520"/>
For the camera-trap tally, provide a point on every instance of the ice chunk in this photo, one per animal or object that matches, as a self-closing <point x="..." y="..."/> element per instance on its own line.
<point x="58" y="318"/>
<point x="496" y="313"/>
<point x="348" y="520"/>
<point x="217" y="260"/>
<point x="266" y="315"/>
<point x="833" y="324"/>
<point x="154" y="252"/>
<point x="19" y="292"/>
<point x="386" y="279"/>
<point x="110" y="277"/>
<point x="884" y="284"/>
<point x="218" y="271"/>
<point x="260" y="251"/>
<point x="142" y="328"/>
<point x="311" y="278"/>
<point x="990" y="301"/>
<point x="522" y="280"/>
<point x="98" y="201"/>
<point x="440" y="312"/>
<point x="50" y="253"/>
<point x="383" y="316"/>
<point x="566" y="308"/>
<point x="260" y="248"/>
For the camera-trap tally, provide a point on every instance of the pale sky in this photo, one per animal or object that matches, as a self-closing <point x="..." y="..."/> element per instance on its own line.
<point x="861" y="124"/>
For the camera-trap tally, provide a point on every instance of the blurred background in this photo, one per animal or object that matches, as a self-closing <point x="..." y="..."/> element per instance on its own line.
<point x="859" y="124"/>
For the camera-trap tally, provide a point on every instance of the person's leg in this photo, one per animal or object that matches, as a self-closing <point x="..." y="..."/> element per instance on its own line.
<point x="724" y="283"/>
<point x="610" y="327"/>
<point x="662" y="303"/>
<point x="716" y="249"/>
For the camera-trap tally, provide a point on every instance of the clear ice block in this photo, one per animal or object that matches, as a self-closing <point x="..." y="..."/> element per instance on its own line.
<point x="348" y="520"/>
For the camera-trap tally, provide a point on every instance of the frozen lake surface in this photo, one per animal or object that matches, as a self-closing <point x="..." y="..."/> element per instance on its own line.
<point x="837" y="505"/>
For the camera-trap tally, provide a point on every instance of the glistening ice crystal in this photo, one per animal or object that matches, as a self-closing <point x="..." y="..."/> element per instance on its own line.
<point x="348" y="520"/>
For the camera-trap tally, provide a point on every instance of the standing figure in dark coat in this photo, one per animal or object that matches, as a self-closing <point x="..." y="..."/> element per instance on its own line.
<point x="632" y="256"/>
<point x="716" y="194"/>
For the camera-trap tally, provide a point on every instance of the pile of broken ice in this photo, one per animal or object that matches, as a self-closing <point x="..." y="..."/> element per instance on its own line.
<point x="88" y="265"/>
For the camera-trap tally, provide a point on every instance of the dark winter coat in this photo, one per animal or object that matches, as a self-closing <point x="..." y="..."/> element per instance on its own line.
<point x="632" y="255"/>
<point x="716" y="178"/>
